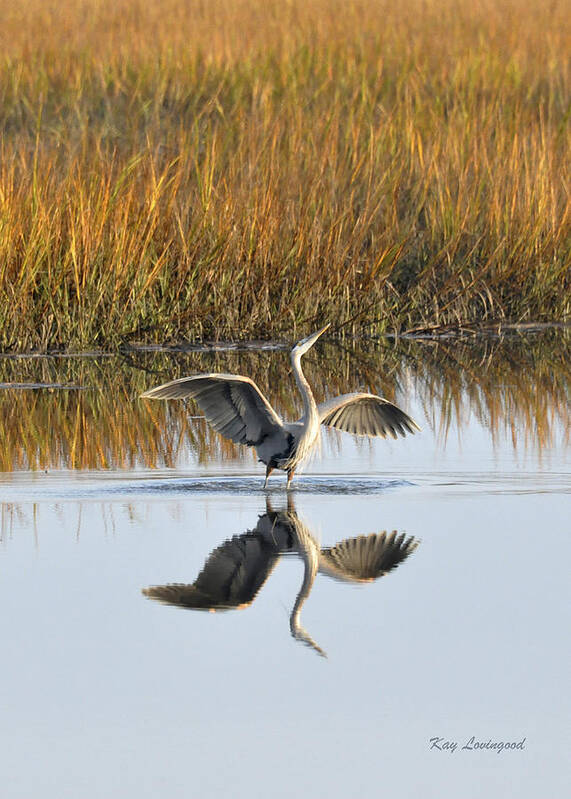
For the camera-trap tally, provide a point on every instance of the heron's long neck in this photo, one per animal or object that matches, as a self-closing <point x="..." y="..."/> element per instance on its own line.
<point x="309" y="404"/>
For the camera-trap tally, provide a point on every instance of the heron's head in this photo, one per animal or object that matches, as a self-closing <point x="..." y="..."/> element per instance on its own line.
<point x="306" y="343"/>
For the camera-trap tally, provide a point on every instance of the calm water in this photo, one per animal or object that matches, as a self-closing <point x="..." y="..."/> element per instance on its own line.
<point x="339" y="650"/>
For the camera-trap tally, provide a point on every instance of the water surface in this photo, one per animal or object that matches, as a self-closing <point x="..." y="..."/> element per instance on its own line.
<point x="404" y="591"/>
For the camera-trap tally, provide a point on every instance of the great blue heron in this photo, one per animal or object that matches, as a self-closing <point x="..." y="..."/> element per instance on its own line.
<point x="235" y="407"/>
<point x="236" y="570"/>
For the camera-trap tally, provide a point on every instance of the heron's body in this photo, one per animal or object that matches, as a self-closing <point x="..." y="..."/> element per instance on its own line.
<point x="235" y="407"/>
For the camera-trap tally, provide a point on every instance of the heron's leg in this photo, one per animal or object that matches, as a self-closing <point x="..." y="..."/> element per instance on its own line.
<point x="269" y="470"/>
<point x="290" y="475"/>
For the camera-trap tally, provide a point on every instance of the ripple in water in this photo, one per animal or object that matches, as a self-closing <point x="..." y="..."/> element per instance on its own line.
<point x="59" y="488"/>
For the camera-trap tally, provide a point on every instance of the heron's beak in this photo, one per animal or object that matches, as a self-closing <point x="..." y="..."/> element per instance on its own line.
<point x="313" y="338"/>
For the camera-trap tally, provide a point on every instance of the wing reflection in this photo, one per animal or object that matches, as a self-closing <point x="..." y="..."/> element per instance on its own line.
<point x="231" y="577"/>
<point x="236" y="570"/>
<point x="367" y="557"/>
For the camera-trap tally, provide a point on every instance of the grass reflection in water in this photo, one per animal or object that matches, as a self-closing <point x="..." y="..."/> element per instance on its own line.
<point x="518" y="386"/>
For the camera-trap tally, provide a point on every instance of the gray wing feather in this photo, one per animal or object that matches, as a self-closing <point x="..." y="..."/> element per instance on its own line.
<point x="233" y="405"/>
<point x="366" y="415"/>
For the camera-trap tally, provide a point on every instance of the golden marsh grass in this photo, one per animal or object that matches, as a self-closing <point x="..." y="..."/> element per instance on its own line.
<point x="185" y="169"/>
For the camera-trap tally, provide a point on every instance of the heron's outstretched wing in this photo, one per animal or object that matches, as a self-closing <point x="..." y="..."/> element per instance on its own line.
<point x="232" y="404"/>
<point x="365" y="558"/>
<point x="231" y="577"/>
<point x="366" y="415"/>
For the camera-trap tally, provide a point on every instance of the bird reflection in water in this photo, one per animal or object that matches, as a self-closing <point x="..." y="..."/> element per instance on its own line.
<point x="236" y="570"/>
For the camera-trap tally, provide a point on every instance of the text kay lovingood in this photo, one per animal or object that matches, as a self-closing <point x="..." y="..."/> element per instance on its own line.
<point x="445" y="745"/>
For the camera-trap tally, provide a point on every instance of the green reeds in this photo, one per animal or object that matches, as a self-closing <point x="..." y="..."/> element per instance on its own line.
<point x="173" y="169"/>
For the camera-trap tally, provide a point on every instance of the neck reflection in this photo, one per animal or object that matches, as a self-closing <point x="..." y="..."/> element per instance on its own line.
<point x="235" y="571"/>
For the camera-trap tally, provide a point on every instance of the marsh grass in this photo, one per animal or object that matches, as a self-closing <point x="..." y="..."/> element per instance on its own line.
<point x="175" y="169"/>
